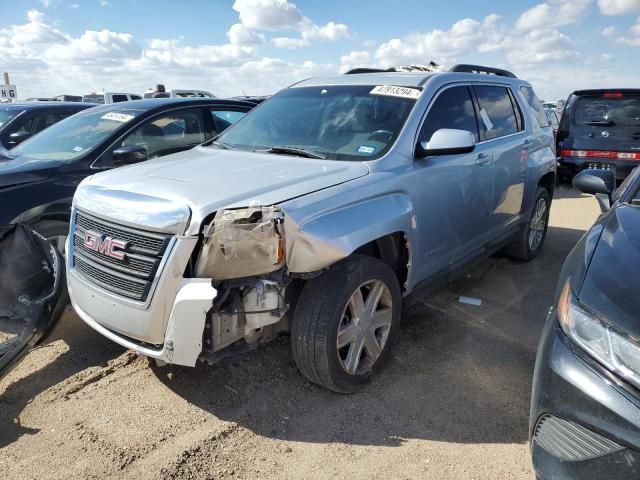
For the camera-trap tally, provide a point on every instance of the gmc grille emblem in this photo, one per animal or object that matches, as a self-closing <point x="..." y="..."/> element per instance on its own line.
<point x="108" y="246"/>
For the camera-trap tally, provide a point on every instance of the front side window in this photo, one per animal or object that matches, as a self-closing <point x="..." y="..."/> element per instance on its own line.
<point x="168" y="134"/>
<point x="453" y="108"/>
<point x="535" y="105"/>
<point x="74" y="136"/>
<point x="119" y="98"/>
<point x="340" y="122"/>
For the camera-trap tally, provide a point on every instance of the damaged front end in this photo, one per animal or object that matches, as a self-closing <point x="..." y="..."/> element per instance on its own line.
<point x="243" y="252"/>
<point x="32" y="292"/>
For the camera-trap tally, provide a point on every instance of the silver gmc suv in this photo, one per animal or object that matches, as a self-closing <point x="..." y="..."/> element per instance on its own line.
<point x="316" y="214"/>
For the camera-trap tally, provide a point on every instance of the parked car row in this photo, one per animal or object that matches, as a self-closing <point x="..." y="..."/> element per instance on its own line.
<point x="320" y="213"/>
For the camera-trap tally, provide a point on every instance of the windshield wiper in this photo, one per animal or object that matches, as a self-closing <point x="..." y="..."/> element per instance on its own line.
<point x="222" y="145"/>
<point x="300" y="152"/>
<point x="599" y="123"/>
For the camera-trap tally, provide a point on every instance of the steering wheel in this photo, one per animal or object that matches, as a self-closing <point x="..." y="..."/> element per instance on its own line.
<point x="377" y="133"/>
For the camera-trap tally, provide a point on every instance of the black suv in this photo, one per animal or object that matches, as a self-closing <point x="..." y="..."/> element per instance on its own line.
<point x="600" y="129"/>
<point x="19" y="121"/>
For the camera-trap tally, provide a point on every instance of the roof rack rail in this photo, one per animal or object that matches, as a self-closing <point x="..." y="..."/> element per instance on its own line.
<point x="369" y="70"/>
<point x="465" y="68"/>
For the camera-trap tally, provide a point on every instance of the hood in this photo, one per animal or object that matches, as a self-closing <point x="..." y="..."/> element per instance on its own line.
<point x="206" y="179"/>
<point x="20" y="170"/>
<point x="612" y="283"/>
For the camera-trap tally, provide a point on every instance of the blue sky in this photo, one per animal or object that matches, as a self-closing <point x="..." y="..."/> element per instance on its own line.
<point x="259" y="46"/>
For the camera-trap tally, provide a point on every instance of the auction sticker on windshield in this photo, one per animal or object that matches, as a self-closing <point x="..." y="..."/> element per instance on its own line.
<point x="393" y="91"/>
<point x="117" y="117"/>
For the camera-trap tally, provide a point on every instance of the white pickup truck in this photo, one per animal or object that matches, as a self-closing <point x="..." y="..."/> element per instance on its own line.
<point x="110" y="97"/>
<point x="178" y="93"/>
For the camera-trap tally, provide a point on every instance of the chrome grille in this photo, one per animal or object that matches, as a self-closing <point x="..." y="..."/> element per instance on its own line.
<point x="144" y="242"/>
<point x="131" y="277"/>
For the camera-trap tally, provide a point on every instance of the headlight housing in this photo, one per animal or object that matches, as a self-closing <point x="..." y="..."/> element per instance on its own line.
<point x="242" y="242"/>
<point x="615" y="350"/>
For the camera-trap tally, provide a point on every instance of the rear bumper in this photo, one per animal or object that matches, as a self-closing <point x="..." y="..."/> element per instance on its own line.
<point x="574" y="390"/>
<point x="571" y="166"/>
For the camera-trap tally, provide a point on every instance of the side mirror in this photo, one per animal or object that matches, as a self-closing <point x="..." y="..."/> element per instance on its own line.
<point x="16" y="138"/>
<point x="448" y="141"/>
<point x="129" y="154"/>
<point x="600" y="183"/>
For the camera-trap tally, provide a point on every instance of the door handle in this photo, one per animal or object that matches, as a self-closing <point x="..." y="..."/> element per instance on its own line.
<point x="482" y="159"/>
<point x="527" y="144"/>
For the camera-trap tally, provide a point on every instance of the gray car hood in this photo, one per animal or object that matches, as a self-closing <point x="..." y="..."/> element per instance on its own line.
<point x="205" y="179"/>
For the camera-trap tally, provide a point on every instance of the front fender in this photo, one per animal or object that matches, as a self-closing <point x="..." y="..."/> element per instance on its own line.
<point x="320" y="241"/>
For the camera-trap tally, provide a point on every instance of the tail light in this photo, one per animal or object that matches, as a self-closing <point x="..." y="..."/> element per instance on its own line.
<point x="600" y="154"/>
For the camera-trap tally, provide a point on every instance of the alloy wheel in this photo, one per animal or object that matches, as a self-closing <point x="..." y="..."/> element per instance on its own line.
<point x="364" y="327"/>
<point x="538" y="224"/>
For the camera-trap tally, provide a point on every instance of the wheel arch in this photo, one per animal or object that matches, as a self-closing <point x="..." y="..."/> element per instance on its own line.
<point x="383" y="227"/>
<point x="60" y="211"/>
<point x="548" y="182"/>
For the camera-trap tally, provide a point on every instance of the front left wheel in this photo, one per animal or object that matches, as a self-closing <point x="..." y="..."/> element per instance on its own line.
<point x="345" y="322"/>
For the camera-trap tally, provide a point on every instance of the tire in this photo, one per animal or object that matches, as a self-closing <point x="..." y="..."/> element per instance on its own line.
<point x="524" y="248"/>
<point x="325" y="307"/>
<point x="55" y="231"/>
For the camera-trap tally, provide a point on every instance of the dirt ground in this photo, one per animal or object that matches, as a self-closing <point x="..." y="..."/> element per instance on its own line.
<point x="453" y="403"/>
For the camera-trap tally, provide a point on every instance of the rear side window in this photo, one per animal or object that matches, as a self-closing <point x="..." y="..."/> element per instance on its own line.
<point x="497" y="114"/>
<point x="536" y="106"/>
<point x="453" y="108"/>
<point x="609" y="109"/>
<point x="119" y="98"/>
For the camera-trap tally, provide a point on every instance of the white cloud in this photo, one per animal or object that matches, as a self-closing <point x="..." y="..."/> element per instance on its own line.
<point x="618" y="7"/>
<point x="96" y="48"/>
<point x="444" y="46"/>
<point x="272" y="15"/>
<point x="552" y="14"/>
<point x="239" y="34"/>
<point x="290" y="43"/>
<point x="284" y="16"/>
<point x="331" y="31"/>
<point x="608" y="32"/>
<point x="541" y="46"/>
<point x="105" y="3"/>
<point x="633" y="38"/>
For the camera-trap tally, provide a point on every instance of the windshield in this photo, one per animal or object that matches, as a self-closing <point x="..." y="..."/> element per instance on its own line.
<point x="7" y="114"/>
<point x="353" y="122"/>
<point x="610" y="109"/>
<point x="76" y="135"/>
